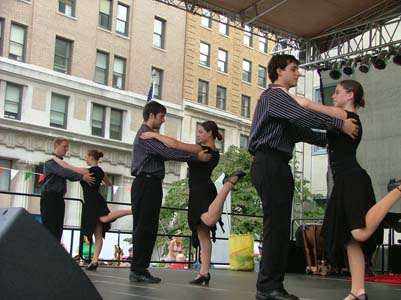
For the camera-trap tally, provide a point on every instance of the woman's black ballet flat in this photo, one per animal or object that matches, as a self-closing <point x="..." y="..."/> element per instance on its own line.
<point x="92" y="267"/>
<point x="239" y="174"/>
<point x="201" y="279"/>
<point x="360" y="297"/>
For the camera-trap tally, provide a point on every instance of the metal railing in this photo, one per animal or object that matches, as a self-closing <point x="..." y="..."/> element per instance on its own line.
<point x="74" y="229"/>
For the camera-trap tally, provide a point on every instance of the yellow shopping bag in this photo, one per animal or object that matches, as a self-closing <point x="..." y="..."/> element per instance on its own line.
<point x="241" y="252"/>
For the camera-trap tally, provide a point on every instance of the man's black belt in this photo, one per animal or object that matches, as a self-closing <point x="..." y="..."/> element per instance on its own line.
<point x="145" y="175"/>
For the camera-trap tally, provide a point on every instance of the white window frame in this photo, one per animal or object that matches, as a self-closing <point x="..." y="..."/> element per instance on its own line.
<point x="16" y="43"/>
<point x="65" y="112"/>
<point x="120" y="19"/>
<point x="222" y="60"/>
<point x="203" y="96"/>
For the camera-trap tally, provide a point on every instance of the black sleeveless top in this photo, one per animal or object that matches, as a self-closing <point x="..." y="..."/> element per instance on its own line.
<point x="342" y="149"/>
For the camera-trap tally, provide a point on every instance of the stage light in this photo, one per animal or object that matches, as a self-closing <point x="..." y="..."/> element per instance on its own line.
<point x="381" y="59"/>
<point x="397" y="57"/>
<point x="365" y="63"/>
<point x="349" y="67"/>
<point x="335" y="72"/>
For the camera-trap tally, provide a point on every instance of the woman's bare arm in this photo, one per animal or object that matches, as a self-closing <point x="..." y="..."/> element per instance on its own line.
<point x="66" y="165"/>
<point x="332" y="111"/>
<point x="107" y="180"/>
<point x="171" y="142"/>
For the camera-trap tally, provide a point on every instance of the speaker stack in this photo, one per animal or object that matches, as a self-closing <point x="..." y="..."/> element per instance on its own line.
<point x="33" y="264"/>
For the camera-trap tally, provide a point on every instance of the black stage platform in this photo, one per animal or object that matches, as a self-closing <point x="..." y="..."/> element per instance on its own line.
<point x="113" y="283"/>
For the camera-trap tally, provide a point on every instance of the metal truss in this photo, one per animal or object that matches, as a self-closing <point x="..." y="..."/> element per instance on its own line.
<point x="366" y="33"/>
<point x="368" y="38"/>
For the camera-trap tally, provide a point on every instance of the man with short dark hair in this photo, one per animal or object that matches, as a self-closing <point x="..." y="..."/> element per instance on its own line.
<point x="278" y="123"/>
<point x="54" y="187"/>
<point x="148" y="156"/>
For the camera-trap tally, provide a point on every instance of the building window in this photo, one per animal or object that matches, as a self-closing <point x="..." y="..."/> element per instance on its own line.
<point x="221" y="96"/>
<point x="38" y="179"/>
<point x="203" y="91"/>
<point x="66" y="7"/>
<point x="263" y="42"/>
<point x="245" y="106"/>
<point x="223" y="25"/>
<point x="206" y="18"/>
<point x="220" y="144"/>
<point x="105" y="14"/>
<point x="243" y="141"/>
<point x="102" y="67"/>
<point x="62" y="56"/>
<point x="248" y="36"/>
<point x="328" y="92"/>
<point x="246" y="70"/>
<point x="157" y="77"/>
<point x="122" y="19"/>
<point x="5" y="174"/>
<point x="222" y="61"/>
<point x="1" y="35"/>
<point x="119" y="73"/>
<point x="159" y="29"/>
<point x="262" y="76"/>
<point x="116" y="124"/>
<point x="17" y="42"/>
<point x="12" y="103"/>
<point x="98" y="117"/>
<point x="58" y="111"/>
<point x="204" y="58"/>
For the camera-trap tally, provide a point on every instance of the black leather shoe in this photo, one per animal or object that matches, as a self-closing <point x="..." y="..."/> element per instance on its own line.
<point x="200" y="279"/>
<point x="143" y="277"/>
<point x="92" y="266"/>
<point x="360" y="297"/>
<point x="228" y="178"/>
<point x="277" y="294"/>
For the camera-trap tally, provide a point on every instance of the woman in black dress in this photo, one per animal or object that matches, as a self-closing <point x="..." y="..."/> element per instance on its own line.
<point x="205" y="206"/>
<point x="352" y="215"/>
<point x="96" y="215"/>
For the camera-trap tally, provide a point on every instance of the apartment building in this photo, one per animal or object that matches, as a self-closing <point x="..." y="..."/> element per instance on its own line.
<point x="82" y="70"/>
<point x="225" y="73"/>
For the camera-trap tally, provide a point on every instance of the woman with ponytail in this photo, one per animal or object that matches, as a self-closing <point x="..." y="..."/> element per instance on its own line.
<point x="352" y="216"/>
<point x="96" y="215"/>
<point x="205" y="206"/>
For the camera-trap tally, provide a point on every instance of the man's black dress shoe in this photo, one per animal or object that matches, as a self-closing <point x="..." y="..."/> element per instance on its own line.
<point x="143" y="277"/>
<point x="277" y="294"/>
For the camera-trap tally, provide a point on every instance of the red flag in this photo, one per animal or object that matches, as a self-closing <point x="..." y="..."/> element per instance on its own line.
<point x="1" y="169"/>
<point x="41" y="177"/>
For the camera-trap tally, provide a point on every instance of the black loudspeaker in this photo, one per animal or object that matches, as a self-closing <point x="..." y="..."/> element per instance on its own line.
<point x="34" y="265"/>
<point x="395" y="259"/>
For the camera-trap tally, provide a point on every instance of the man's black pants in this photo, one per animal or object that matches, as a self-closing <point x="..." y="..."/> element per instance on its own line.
<point x="271" y="175"/>
<point x="52" y="208"/>
<point x="146" y="200"/>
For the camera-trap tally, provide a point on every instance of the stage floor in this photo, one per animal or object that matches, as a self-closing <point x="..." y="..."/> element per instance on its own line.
<point x="113" y="283"/>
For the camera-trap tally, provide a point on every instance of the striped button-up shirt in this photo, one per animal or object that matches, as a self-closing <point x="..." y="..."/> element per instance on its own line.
<point x="279" y="122"/>
<point x="149" y="155"/>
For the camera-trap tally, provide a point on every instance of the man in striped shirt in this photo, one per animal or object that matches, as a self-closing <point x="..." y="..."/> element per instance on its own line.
<point x="148" y="156"/>
<point x="278" y="123"/>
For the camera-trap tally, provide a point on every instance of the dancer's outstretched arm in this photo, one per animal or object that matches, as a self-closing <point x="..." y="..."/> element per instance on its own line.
<point x="171" y="142"/>
<point x="70" y="167"/>
<point x="107" y="180"/>
<point x="332" y="111"/>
